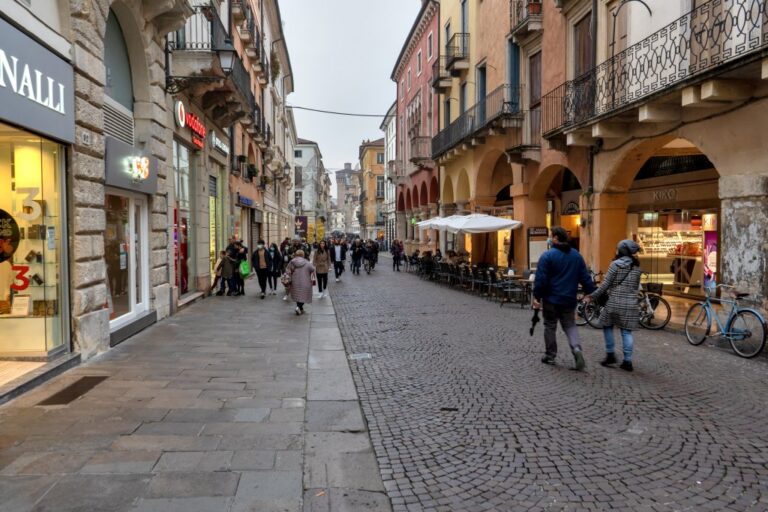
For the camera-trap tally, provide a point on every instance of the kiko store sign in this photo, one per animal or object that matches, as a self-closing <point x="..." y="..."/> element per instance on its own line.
<point x="129" y="168"/>
<point x="36" y="86"/>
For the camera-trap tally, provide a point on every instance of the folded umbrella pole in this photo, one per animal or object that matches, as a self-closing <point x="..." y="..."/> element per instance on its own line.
<point x="534" y="320"/>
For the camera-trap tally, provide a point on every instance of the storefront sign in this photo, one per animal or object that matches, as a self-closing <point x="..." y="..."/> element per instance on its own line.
<point x="244" y="201"/>
<point x="36" y="86"/>
<point x="665" y="194"/>
<point x="185" y="118"/>
<point x="572" y="208"/>
<point x="218" y="144"/>
<point x="9" y="236"/>
<point x="127" y="167"/>
<point x="538" y="231"/>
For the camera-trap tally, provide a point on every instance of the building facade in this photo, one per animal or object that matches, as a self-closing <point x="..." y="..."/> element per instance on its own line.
<point x="348" y="197"/>
<point x="389" y="127"/>
<point x="371" y="198"/>
<point x="311" y="190"/>
<point x="417" y="122"/>
<point x="558" y="115"/>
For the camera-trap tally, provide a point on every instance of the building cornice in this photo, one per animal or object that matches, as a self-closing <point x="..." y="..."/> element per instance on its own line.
<point x="428" y="11"/>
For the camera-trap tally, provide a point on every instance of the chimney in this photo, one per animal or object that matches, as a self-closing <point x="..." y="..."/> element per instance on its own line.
<point x="347" y="166"/>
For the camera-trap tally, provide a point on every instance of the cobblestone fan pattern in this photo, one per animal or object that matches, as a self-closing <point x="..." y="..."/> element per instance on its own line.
<point x="463" y="416"/>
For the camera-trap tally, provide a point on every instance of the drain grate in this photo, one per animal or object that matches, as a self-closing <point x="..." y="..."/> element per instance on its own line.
<point x="360" y="355"/>
<point x="74" y="391"/>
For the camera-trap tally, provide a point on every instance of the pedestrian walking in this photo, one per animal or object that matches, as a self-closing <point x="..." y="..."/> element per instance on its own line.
<point x="302" y="274"/>
<point x="275" y="268"/>
<point x="358" y="251"/>
<point x="559" y="273"/>
<point x="397" y="254"/>
<point x="620" y="285"/>
<point x="229" y="267"/>
<point x="322" y="262"/>
<point x="338" y="257"/>
<point x="261" y="263"/>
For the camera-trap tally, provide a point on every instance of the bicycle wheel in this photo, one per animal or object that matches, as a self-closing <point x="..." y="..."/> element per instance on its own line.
<point x="746" y="332"/>
<point x="581" y="317"/>
<point x="654" y="312"/>
<point x="592" y="313"/>
<point x="697" y="324"/>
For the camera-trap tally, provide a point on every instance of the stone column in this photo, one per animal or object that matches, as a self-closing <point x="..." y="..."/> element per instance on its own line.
<point x="408" y="231"/>
<point x="446" y="210"/>
<point x="743" y="224"/>
<point x="461" y="209"/>
<point x="400" y="220"/>
<point x="532" y="213"/>
<point x="604" y="216"/>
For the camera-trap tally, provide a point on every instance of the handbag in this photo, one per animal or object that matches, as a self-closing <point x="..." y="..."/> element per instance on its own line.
<point x="286" y="279"/>
<point x="603" y="299"/>
<point x="245" y="269"/>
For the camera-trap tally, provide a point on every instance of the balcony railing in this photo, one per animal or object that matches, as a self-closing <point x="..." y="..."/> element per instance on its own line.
<point x="440" y="74"/>
<point x="421" y="149"/>
<point x="504" y="101"/>
<point x="205" y="32"/>
<point x="522" y="12"/>
<point x="530" y="134"/>
<point x="716" y="35"/>
<point x="457" y="49"/>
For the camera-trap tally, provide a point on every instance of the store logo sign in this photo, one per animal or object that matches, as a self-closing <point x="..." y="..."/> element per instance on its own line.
<point x="185" y="118"/>
<point x="667" y="194"/>
<point x="138" y="168"/>
<point x="36" y="86"/>
<point x="219" y="144"/>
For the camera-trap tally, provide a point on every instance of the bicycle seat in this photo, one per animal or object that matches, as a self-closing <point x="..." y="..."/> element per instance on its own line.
<point x="740" y="295"/>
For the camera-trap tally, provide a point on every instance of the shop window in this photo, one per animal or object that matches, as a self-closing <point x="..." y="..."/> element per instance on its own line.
<point x="31" y="254"/>
<point x="183" y="231"/>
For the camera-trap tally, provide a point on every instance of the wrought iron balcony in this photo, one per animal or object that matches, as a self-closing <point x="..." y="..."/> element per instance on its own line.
<point x="525" y="17"/>
<point x="238" y="10"/>
<point x="245" y="29"/>
<point x="457" y="52"/>
<point x="192" y="61"/>
<point x="421" y="150"/>
<point x="441" y="78"/>
<point x="500" y="108"/>
<point x="526" y="145"/>
<point x="713" y="38"/>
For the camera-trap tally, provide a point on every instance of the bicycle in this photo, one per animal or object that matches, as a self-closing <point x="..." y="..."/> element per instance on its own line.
<point x="745" y="328"/>
<point x="584" y="311"/>
<point x="655" y="311"/>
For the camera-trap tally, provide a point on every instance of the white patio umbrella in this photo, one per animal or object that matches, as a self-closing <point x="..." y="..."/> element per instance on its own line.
<point x="436" y="222"/>
<point x="479" y="223"/>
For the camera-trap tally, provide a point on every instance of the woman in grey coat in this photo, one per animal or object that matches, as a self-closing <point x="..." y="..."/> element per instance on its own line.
<point x="621" y="283"/>
<point x="302" y="274"/>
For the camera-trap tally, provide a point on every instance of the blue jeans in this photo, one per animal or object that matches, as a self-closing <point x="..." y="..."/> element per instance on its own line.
<point x="626" y="339"/>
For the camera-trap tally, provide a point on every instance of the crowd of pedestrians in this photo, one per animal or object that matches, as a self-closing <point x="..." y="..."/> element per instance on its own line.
<point x="295" y="263"/>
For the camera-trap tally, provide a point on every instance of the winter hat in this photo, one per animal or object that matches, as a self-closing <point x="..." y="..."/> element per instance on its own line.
<point x="627" y="248"/>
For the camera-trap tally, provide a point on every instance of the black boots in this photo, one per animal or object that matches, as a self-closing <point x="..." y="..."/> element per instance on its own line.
<point x="610" y="358"/>
<point x="626" y="366"/>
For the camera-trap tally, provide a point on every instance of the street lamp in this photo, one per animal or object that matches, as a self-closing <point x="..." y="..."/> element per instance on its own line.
<point x="613" y="45"/>
<point x="227" y="55"/>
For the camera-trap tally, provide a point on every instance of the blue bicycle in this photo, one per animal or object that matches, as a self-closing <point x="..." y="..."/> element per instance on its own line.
<point x="744" y="328"/>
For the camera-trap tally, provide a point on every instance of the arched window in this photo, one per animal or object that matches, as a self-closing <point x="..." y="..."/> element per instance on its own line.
<point x="119" y="82"/>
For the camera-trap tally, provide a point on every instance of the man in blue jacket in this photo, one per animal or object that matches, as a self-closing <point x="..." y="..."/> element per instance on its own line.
<point x="558" y="274"/>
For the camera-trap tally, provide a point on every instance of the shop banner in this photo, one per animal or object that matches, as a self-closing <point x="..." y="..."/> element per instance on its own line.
<point x="129" y="168"/>
<point x="301" y="225"/>
<point x="36" y="86"/>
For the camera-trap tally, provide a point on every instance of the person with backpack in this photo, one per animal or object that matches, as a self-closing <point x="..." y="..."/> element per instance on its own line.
<point x="620" y="286"/>
<point x="559" y="273"/>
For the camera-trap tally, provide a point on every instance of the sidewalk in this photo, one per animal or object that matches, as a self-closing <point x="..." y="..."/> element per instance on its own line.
<point x="235" y="404"/>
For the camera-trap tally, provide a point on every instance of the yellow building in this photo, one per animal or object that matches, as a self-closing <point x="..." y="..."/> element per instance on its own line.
<point x="372" y="189"/>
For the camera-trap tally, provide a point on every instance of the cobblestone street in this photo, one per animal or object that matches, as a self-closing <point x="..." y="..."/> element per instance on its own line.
<point x="463" y="416"/>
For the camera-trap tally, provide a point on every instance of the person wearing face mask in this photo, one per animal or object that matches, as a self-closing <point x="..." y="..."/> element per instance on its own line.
<point x="621" y="284"/>
<point x="275" y="269"/>
<point x="261" y="263"/>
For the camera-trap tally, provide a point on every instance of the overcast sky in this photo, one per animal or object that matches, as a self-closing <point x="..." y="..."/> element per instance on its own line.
<point x="342" y="54"/>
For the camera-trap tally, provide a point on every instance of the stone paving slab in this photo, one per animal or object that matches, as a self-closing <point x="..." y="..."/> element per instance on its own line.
<point x="207" y="411"/>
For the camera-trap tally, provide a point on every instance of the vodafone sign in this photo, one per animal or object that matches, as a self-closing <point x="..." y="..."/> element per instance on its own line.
<point x="184" y="119"/>
<point x="180" y="112"/>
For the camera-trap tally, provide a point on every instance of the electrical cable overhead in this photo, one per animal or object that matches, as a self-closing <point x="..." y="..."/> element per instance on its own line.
<point x="335" y="113"/>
